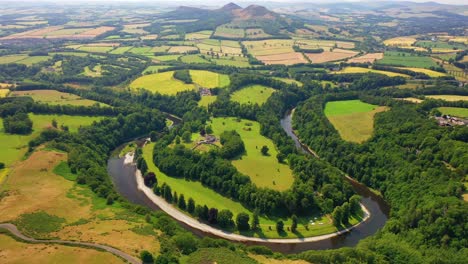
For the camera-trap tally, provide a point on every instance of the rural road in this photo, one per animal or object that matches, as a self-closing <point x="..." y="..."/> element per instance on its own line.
<point x="192" y="222"/>
<point x="14" y="230"/>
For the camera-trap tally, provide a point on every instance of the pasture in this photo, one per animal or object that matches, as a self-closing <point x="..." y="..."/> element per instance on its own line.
<point x="163" y="83"/>
<point x="209" y="79"/>
<point x="205" y="34"/>
<point x="396" y="58"/>
<point x="54" y="97"/>
<point x="155" y="68"/>
<point x="207" y="100"/>
<point x="165" y="58"/>
<point x="194" y="58"/>
<point x="240" y="62"/>
<point x="45" y="185"/>
<point x="330" y="56"/>
<point x="182" y="49"/>
<point x="450" y="98"/>
<point x="367" y="70"/>
<point x="252" y="94"/>
<point x="353" y="119"/>
<point x="15" y="146"/>
<point x="454" y="111"/>
<point x="264" y="171"/>
<point x="229" y="31"/>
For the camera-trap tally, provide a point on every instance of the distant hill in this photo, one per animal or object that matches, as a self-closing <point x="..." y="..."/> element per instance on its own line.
<point x="230" y="7"/>
<point x="254" y="12"/>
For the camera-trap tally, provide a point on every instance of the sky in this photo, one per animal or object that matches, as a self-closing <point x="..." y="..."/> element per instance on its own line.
<point x="221" y="2"/>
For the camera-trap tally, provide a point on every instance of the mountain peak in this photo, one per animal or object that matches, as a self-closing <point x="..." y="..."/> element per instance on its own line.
<point x="230" y="7"/>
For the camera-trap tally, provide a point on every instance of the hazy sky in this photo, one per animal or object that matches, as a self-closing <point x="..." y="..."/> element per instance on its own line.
<point x="221" y="2"/>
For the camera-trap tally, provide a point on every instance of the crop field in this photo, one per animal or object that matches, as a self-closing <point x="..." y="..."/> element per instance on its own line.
<point x="325" y="44"/>
<point x="58" y="32"/>
<point x="439" y="45"/>
<point x="96" y="49"/>
<point x="162" y="48"/>
<point x="193" y="58"/>
<point x="163" y="83"/>
<point x="454" y="111"/>
<point x="165" y="58"/>
<point x="253" y="94"/>
<point x="120" y="50"/>
<point x="366" y="70"/>
<point x="45" y="185"/>
<point x="142" y="51"/>
<point x="181" y="49"/>
<point x="430" y="73"/>
<point x="254" y="33"/>
<point x="221" y="47"/>
<point x="205" y="34"/>
<point x="404" y="59"/>
<point x="330" y="56"/>
<point x="15" y="146"/>
<point x="240" y="62"/>
<point x="209" y="79"/>
<point x="269" y="47"/>
<point x="12" y="58"/>
<point x="284" y="58"/>
<point x="450" y="98"/>
<point x="353" y="119"/>
<point x="207" y="100"/>
<point x="229" y="31"/>
<point x="400" y="41"/>
<point x="4" y="92"/>
<point x="264" y="171"/>
<point x="367" y="58"/>
<point x="54" y="97"/>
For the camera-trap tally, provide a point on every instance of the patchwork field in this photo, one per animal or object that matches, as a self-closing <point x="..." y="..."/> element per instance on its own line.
<point x="209" y="79"/>
<point x="451" y="98"/>
<point x="194" y="58"/>
<point x="239" y="62"/>
<point x="353" y="119"/>
<point x="59" y="32"/>
<point x="288" y="81"/>
<point x="229" y="31"/>
<point x="15" y="146"/>
<point x="366" y="70"/>
<point x="367" y="58"/>
<point x="205" y="34"/>
<point x="253" y="94"/>
<point x="284" y="58"/>
<point x="405" y="59"/>
<point x="269" y="47"/>
<point x="400" y="41"/>
<point x="182" y="49"/>
<point x="324" y="44"/>
<point x="23" y="59"/>
<point x="330" y="56"/>
<point x="264" y="171"/>
<point x="223" y="48"/>
<point x="454" y="111"/>
<point x="163" y="83"/>
<point x="54" y="97"/>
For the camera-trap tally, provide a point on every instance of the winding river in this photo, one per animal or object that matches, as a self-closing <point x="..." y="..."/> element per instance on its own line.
<point x="123" y="177"/>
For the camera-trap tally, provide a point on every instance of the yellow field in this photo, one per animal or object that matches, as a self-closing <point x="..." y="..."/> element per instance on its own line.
<point x="367" y="58"/>
<point x="209" y="79"/>
<point x="430" y="73"/>
<point x="163" y="83"/>
<point x="366" y="70"/>
<point x="4" y="92"/>
<point x="181" y="49"/>
<point x="330" y="56"/>
<point x="400" y="41"/>
<point x="207" y="100"/>
<point x="32" y="186"/>
<point x="450" y="98"/>
<point x="13" y="251"/>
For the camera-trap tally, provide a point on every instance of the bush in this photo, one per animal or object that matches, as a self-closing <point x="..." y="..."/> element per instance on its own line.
<point x="146" y="257"/>
<point x="19" y="123"/>
<point x="183" y="75"/>
<point x="242" y="221"/>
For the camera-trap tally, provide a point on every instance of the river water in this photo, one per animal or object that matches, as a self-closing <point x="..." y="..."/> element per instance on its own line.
<point x="123" y="177"/>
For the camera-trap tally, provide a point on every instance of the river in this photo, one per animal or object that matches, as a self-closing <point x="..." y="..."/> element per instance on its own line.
<point x="123" y="177"/>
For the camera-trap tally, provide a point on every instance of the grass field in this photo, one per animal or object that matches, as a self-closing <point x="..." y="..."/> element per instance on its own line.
<point x="205" y="34"/>
<point x="96" y="49"/>
<point x="264" y="171"/>
<point x="14" y="251"/>
<point x="96" y="71"/>
<point x="163" y="83"/>
<point x="165" y="58"/>
<point x="193" y="58"/>
<point x="207" y="100"/>
<point x="366" y="70"/>
<point x="450" y="98"/>
<point x="12" y="58"/>
<point x="155" y="68"/>
<point x="120" y="50"/>
<point x="253" y="94"/>
<point x="218" y="256"/>
<point x="15" y="146"/>
<point x="353" y="119"/>
<point x="240" y="62"/>
<point x="405" y="59"/>
<point x="288" y="81"/>
<point x="329" y="56"/>
<point x="54" y="97"/>
<point x="47" y="192"/>
<point x="430" y="73"/>
<point x="229" y="31"/>
<point x="33" y="60"/>
<point x="454" y="111"/>
<point x="400" y="41"/>
<point x="4" y="92"/>
<point x="209" y="79"/>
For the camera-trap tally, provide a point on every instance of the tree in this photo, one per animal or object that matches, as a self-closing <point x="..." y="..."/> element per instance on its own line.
<point x="255" y="221"/>
<point x="280" y="157"/>
<point x="150" y="179"/>
<point x="294" y="223"/>
<point x="354" y="204"/>
<point x="186" y="243"/>
<point x="213" y="216"/>
<point x="225" y="218"/>
<point x="346" y="212"/>
<point x="264" y="150"/>
<point x="187" y="137"/>
<point x="242" y="221"/>
<point x="142" y="166"/>
<point x="209" y="130"/>
<point x="280" y="226"/>
<point x="337" y="216"/>
<point x="146" y="257"/>
<point x="191" y="205"/>
<point x="110" y="200"/>
<point x="182" y="205"/>
<point x="54" y="123"/>
<point x="177" y="140"/>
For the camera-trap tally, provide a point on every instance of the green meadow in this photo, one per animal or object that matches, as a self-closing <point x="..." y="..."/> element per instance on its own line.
<point x="252" y="94"/>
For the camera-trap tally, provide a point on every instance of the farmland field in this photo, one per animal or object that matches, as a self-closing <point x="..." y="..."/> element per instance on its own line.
<point x="207" y="100"/>
<point x="12" y="58"/>
<point x="367" y="58"/>
<point x="400" y="41"/>
<point x="193" y="58"/>
<point x="330" y="56"/>
<point x="120" y="50"/>
<point x="181" y="49"/>
<point x="404" y="59"/>
<point x="4" y="92"/>
<point x="97" y="49"/>
<point x="430" y="73"/>
<point x="240" y="62"/>
<point x="54" y="97"/>
<point x="289" y="81"/>
<point x="163" y="83"/>
<point x="33" y="60"/>
<point x="205" y="34"/>
<point x="353" y="119"/>
<point x="209" y="79"/>
<point x="450" y="98"/>
<point x="165" y="58"/>
<point x="366" y="70"/>
<point x="454" y="111"/>
<point x="228" y="31"/>
<point x="253" y="94"/>
<point x="15" y="146"/>
<point x="155" y="68"/>
<point x="264" y="171"/>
